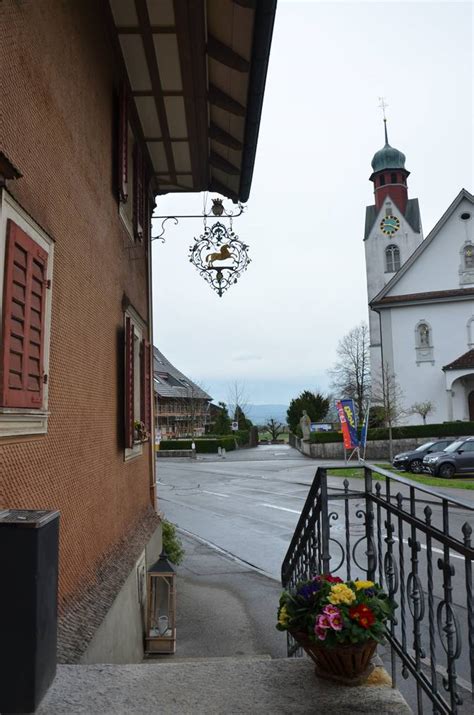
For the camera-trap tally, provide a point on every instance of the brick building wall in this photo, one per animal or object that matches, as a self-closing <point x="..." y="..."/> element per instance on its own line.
<point x="58" y="129"/>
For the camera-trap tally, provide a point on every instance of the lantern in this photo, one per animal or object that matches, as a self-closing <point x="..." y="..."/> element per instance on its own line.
<point x="160" y="634"/>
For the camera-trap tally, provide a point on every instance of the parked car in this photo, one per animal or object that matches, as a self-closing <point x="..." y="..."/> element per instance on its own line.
<point x="458" y="458"/>
<point x="413" y="461"/>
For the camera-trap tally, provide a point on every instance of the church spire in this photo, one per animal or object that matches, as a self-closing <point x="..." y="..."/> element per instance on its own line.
<point x="389" y="174"/>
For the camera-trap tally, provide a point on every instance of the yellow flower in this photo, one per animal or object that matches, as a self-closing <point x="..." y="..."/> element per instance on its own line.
<point x="363" y="584"/>
<point x="283" y="617"/>
<point x="340" y="593"/>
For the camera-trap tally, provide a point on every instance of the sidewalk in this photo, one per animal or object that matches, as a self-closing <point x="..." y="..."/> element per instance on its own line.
<point x="225" y="607"/>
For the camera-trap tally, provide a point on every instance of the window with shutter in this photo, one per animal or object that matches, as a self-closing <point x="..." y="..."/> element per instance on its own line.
<point x="26" y="258"/>
<point x="137" y="387"/>
<point x="138" y="194"/>
<point x="25" y="284"/>
<point x="129" y="382"/>
<point x="146" y="384"/>
<point x="123" y="145"/>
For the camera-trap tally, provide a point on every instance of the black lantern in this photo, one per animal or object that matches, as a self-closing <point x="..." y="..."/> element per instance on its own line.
<point x="160" y="634"/>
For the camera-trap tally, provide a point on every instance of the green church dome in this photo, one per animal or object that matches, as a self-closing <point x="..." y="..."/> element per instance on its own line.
<point x="388" y="157"/>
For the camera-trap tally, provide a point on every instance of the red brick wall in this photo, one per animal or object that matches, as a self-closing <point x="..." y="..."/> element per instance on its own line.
<point x="58" y="107"/>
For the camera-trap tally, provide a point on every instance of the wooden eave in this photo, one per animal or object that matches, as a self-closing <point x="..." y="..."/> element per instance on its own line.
<point x="196" y="71"/>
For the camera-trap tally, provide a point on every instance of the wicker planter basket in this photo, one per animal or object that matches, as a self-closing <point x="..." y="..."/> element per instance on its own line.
<point x="348" y="664"/>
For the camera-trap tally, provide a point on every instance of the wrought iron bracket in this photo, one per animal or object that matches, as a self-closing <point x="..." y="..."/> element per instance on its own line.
<point x="225" y="214"/>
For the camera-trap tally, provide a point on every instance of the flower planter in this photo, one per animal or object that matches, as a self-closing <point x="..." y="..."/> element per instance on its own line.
<point x="347" y="664"/>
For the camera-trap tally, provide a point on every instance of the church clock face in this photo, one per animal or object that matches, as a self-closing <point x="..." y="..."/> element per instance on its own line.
<point x="389" y="225"/>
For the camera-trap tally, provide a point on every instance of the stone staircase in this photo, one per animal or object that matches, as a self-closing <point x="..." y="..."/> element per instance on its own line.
<point x="212" y="686"/>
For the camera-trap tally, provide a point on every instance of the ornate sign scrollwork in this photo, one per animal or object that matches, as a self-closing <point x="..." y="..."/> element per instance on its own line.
<point x="219" y="256"/>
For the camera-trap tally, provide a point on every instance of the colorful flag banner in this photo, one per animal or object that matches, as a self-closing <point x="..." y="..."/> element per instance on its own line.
<point x="344" y="426"/>
<point x="349" y="414"/>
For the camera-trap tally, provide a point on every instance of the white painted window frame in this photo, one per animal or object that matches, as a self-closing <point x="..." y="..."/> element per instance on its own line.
<point x="424" y="353"/>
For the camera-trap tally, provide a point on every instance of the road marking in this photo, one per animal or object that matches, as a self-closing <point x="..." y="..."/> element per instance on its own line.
<point x="281" y="508"/>
<point x="216" y="494"/>
<point x="433" y="548"/>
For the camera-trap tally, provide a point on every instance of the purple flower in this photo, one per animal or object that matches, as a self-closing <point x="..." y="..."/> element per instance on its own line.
<point x="369" y="592"/>
<point x="323" y="621"/>
<point x="309" y="589"/>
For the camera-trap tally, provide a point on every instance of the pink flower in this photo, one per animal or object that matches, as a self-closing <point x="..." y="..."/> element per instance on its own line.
<point x="321" y="633"/>
<point x="323" y="621"/>
<point x="331" y="610"/>
<point x="336" y="622"/>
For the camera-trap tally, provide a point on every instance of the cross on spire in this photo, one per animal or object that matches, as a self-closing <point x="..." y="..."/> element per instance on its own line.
<point x="383" y="104"/>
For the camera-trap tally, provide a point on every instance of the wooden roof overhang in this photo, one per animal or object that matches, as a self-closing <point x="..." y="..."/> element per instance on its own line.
<point x="196" y="71"/>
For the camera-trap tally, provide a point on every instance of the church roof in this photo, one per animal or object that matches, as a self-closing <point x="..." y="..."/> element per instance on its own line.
<point x="463" y="362"/>
<point x="412" y="216"/>
<point x="428" y="297"/>
<point x="463" y="194"/>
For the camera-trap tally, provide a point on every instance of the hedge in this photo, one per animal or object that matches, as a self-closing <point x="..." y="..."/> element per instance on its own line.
<point x="242" y="436"/>
<point x="203" y="446"/>
<point x="444" y="429"/>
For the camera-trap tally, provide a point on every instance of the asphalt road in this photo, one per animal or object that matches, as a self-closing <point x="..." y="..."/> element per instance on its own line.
<point x="248" y="505"/>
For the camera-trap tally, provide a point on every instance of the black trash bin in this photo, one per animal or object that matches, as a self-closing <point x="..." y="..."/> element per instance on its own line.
<point x="29" y="541"/>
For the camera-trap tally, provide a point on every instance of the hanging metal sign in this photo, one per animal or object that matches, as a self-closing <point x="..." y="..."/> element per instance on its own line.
<point x="219" y="256"/>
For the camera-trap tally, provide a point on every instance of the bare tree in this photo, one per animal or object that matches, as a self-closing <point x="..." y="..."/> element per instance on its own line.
<point x="387" y="395"/>
<point x="350" y="376"/>
<point x="423" y="409"/>
<point x="275" y="428"/>
<point x="237" y="399"/>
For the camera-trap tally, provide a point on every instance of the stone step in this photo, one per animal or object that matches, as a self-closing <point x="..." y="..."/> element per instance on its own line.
<point x="214" y="686"/>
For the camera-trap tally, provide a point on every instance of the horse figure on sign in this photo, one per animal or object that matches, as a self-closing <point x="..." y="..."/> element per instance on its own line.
<point x="220" y="255"/>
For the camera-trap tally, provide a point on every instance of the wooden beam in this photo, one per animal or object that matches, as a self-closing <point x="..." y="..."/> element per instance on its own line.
<point x="148" y="46"/>
<point x="220" y="188"/>
<point x="225" y="55"/>
<point x="249" y="4"/>
<point x="220" y="163"/>
<point x="191" y="34"/>
<point x="219" y="135"/>
<point x="222" y="100"/>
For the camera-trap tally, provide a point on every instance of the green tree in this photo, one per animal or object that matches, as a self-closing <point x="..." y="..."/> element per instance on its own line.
<point x="222" y="423"/>
<point x="315" y="404"/>
<point x="243" y="421"/>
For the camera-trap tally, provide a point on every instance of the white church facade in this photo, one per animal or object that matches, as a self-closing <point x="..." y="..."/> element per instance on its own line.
<point x="421" y="295"/>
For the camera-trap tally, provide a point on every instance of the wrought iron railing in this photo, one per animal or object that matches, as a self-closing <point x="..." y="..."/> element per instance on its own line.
<point x="417" y="543"/>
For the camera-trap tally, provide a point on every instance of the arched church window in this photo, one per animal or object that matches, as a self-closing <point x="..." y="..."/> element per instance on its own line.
<point x="468" y="257"/>
<point x="392" y="259"/>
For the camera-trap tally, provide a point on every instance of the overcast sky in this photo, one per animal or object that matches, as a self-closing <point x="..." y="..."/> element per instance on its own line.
<point x="278" y="328"/>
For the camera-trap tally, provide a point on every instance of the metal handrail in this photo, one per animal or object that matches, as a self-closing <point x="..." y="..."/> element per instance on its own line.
<point x="429" y="610"/>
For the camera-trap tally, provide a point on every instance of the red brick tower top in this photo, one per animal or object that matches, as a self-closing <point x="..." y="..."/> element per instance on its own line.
<point x="389" y="175"/>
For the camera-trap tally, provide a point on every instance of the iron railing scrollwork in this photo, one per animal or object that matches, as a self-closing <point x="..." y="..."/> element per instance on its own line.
<point x="415" y="542"/>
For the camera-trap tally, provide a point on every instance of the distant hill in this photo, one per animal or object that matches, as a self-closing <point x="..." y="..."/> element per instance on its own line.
<point x="260" y="414"/>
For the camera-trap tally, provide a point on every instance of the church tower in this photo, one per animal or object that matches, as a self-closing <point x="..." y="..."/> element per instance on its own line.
<point x="392" y="230"/>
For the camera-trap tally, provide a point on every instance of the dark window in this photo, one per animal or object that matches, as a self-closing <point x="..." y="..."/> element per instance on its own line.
<point x="392" y="259"/>
<point x="393" y="178"/>
<point x="382" y="180"/>
<point x="466" y="216"/>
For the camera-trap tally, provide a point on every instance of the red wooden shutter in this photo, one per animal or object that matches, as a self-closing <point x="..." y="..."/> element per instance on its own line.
<point x="123" y="145"/>
<point x="129" y="382"/>
<point x="146" y="384"/>
<point x="24" y="299"/>
<point x="138" y="193"/>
